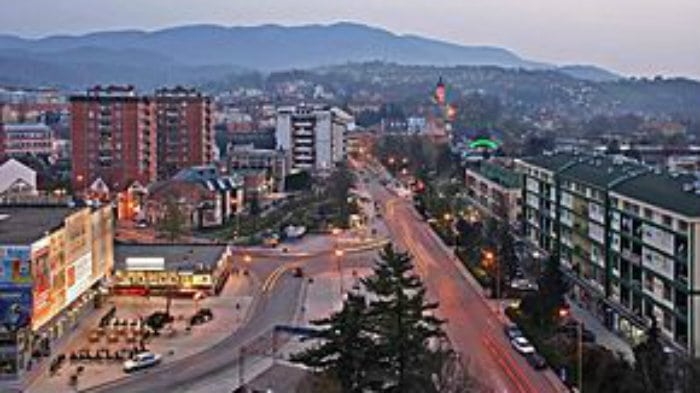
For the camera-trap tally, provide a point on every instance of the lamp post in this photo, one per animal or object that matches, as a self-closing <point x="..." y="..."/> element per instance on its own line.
<point x="564" y="313"/>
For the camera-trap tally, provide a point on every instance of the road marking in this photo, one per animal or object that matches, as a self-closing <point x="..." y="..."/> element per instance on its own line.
<point x="491" y="346"/>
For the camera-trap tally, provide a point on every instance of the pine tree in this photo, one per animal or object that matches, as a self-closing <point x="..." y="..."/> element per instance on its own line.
<point x="403" y="323"/>
<point x="345" y="351"/>
<point x="544" y="305"/>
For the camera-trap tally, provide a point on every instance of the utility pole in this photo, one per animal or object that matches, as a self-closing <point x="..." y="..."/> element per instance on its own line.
<point x="580" y="357"/>
<point x="241" y="367"/>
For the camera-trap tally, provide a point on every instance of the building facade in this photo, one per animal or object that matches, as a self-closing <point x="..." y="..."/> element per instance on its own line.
<point x="626" y="235"/>
<point x="113" y="133"/>
<point x="185" y="130"/>
<point x="52" y="259"/>
<point x="26" y="139"/>
<point x="205" y="197"/>
<point x="312" y="136"/>
<point x="496" y="189"/>
<point x="273" y="162"/>
<point x="164" y="269"/>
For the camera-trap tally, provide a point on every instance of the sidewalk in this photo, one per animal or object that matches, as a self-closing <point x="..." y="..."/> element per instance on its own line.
<point x="322" y="297"/>
<point x="604" y="336"/>
<point x="227" y="318"/>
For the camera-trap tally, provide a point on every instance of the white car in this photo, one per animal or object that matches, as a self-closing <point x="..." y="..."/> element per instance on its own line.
<point x="522" y="345"/>
<point x="142" y="360"/>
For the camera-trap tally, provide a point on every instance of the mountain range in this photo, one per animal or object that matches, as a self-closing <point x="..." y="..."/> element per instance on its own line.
<point x="198" y="53"/>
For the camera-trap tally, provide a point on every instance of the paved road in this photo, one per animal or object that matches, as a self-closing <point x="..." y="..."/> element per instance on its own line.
<point x="278" y="305"/>
<point x="473" y="325"/>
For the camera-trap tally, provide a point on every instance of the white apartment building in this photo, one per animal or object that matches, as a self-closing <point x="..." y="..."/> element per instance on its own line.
<point x="313" y="136"/>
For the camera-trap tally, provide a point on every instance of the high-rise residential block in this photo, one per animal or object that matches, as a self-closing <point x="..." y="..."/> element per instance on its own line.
<point x="113" y="132"/>
<point x="184" y="128"/>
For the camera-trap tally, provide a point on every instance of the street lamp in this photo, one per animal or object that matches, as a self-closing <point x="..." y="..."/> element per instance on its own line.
<point x="247" y="258"/>
<point x="563" y="314"/>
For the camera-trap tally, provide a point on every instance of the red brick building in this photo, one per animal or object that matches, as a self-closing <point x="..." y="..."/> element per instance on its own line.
<point x="113" y="132"/>
<point x="185" y="130"/>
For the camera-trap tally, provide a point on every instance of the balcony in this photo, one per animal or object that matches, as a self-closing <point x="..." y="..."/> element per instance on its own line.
<point x="632" y="257"/>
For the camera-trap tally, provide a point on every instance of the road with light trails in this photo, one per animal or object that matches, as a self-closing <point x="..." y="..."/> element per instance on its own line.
<point x="278" y="305"/>
<point x="473" y="325"/>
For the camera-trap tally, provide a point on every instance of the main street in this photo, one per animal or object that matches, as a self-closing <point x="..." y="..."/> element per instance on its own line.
<point x="473" y="324"/>
<point x="278" y="305"/>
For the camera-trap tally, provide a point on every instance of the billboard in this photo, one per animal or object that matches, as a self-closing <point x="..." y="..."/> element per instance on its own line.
<point x="48" y="274"/>
<point x="78" y="277"/>
<point x="15" y="306"/>
<point x="15" y="264"/>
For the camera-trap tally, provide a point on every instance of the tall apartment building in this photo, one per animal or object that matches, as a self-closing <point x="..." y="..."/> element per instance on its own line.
<point x="312" y="136"/>
<point x="113" y="132"/>
<point x="184" y="128"/>
<point x="627" y="235"/>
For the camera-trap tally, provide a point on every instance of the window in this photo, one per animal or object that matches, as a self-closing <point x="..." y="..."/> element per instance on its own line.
<point x="668" y="291"/>
<point x="682" y="226"/>
<point x="648" y="214"/>
<point x="667" y="220"/>
<point x="668" y="321"/>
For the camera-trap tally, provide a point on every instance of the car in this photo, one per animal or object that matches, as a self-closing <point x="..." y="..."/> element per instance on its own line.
<point x="298" y="272"/>
<point x="141" y="224"/>
<point x="536" y="361"/>
<point x="201" y="317"/>
<point x="512" y="331"/>
<point x="142" y="360"/>
<point x="522" y="345"/>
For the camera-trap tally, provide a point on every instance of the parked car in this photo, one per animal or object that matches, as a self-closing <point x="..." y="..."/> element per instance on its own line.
<point x="522" y="345"/>
<point x="536" y="361"/>
<point x="142" y="360"/>
<point x="298" y="272"/>
<point x="512" y="331"/>
<point x="202" y="316"/>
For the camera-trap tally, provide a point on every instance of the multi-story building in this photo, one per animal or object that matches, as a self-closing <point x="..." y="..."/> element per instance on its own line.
<point x="496" y="189"/>
<point x="184" y="128"/>
<point x="206" y="197"/>
<point x="26" y="139"/>
<point x="113" y="138"/>
<point x="51" y="262"/>
<point x="273" y="162"/>
<point x="312" y="136"/>
<point x="628" y="237"/>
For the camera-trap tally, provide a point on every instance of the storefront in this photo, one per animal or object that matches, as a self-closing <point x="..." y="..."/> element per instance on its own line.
<point x="49" y="281"/>
<point x="169" y="270"/>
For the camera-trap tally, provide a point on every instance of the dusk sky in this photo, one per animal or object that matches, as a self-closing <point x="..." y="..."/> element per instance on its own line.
<point x="630" y="36"/>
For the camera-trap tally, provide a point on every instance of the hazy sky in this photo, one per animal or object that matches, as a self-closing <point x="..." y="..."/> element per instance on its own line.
<point x="630" y="36"/>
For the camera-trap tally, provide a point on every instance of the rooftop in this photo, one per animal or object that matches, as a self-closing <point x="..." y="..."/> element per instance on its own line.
<point x="185" y="257"/>
<point x="600" y="171"/>
<point x="499" y="174"/>
<point x="674" y="192"/>
<point x="24" y="225"/>
<point x="671" y="192"/>
<point x="552" y="162"/>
